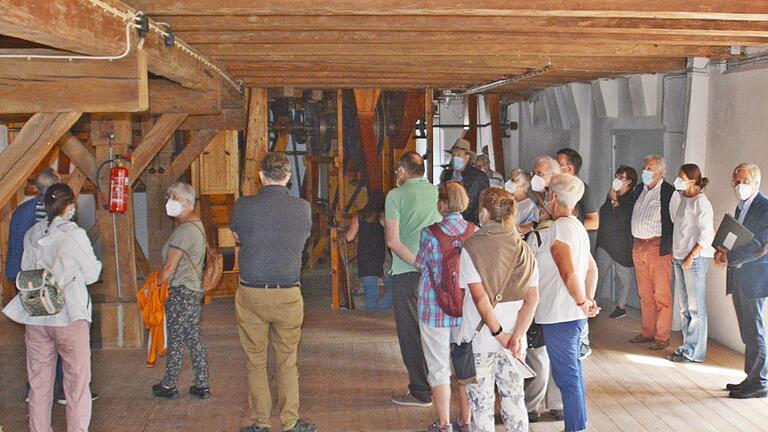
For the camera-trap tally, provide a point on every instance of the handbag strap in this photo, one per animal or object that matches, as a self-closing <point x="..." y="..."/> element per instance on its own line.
<point x="189" y="258"/>
<point x="497" y="297"/>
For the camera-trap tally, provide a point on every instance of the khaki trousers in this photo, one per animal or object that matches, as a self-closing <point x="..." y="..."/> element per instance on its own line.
<point x="271" y="317"/>
<point x="654" y="285"/>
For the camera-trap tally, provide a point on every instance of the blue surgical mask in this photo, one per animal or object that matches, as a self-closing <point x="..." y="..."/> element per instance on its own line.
<point x="647" y="177"/>
<point x="457" y="163"/>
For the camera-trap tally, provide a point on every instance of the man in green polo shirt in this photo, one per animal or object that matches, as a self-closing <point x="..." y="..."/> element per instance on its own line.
<point x="409" y="208"/>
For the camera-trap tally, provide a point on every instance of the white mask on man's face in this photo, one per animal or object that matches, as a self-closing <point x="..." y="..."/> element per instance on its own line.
<point x="538" y="184"/>
<point x="744" y="191"/>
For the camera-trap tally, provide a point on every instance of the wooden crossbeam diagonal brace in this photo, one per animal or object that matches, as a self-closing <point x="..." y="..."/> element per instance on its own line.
<point x="31" y="145"/>
<point x="199" y="142"/>
<point x="80" y="155"/>
<point x="154" y="141"/>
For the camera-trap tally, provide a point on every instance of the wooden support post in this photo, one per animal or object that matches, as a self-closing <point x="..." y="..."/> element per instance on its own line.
<point x="256" y="140"/>
<point x="31" y="145"/>
<point x="428" y="119"/>
<point x="471" y="134"/>
<point x="118" y="316"/>
<point x="335" y="270"/>
<point x="339" y="163"/>
<point x="79" y="154"/>
<point x="366" y="101"/>
<point x="498" y="146"/>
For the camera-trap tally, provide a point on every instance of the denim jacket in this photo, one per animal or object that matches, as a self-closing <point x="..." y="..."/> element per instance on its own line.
<point x="22" y="220"/>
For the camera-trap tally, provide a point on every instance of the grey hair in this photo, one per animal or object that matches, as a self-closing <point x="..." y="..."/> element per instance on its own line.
<point x="45" y="179"/>
<point x="568" y="189"/>
<point x="521" y="179"/>
<point x="483" y="158"/>
<point x="754" y="171"/>
<point x="552" y="167"/>
<point x="184" y="191"/>
<point x="661" y="164"/>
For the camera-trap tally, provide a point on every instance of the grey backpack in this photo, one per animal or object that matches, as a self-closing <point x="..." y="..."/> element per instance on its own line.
<point x="39" y="290"/>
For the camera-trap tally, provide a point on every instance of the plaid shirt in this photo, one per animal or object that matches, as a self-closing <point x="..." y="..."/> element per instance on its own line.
<point x="430" y="257"/>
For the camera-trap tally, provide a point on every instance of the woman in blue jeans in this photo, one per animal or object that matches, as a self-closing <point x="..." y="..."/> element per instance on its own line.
<point x="368" y="227"/>
<point x="567" y="284"/>
<point x="692" y="251"/>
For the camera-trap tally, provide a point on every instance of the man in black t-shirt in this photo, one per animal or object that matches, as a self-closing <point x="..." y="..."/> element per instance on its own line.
<point x="586" y="209"/>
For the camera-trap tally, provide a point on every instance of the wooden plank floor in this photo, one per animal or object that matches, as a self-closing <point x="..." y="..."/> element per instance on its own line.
<point x="350" y="366"/>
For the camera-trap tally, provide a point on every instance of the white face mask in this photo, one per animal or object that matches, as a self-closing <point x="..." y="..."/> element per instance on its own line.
<point x="510" y="186"/>
<point x="173" y="208"/>
<point x="617" y="184"/>
<point x="70" y="214"/>
<point x="647" y="177"/>
<point x="680" y="184"/>
<point x="744" y="191"/>
<point x="538" y="183"/>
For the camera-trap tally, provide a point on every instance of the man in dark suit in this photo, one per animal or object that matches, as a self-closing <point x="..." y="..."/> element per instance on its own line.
<point x="474" y="180"/>
<point x="747" y="281"/>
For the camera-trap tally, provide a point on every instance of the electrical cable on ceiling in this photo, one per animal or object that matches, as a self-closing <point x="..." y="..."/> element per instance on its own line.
<point x="134" y="20"/>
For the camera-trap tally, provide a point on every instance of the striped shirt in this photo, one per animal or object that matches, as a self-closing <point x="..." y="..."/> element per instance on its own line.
<point x="646" y="215"/>
<point x="40" y="213"/>
<point x="430" y="257"/>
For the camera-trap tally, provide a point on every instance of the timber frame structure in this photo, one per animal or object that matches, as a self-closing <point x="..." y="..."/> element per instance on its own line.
<point x="84" y="80"/>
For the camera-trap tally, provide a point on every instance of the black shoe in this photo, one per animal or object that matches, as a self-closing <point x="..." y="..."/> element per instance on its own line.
<point x="618" y="313"/>
<point x="254" y="428"/>
<point x="534" y="417"/>
<point x="303" y="426"/>
<point x="200" y="392"/>
<point x="749" y="393"/>
<point x="677" y="358"/>
<point x="162" y="392"/>
<point x="736" y="387"/>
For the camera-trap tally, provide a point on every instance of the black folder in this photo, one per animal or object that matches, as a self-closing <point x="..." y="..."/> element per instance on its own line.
<point x="731" y="234"/>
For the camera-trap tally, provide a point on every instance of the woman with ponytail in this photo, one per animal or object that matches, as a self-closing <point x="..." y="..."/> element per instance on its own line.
<point x="59" y="245"/>
<point x="692" y="253"/>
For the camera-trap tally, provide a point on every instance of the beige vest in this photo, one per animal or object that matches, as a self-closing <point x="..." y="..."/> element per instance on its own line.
<point x="500" y="254"/>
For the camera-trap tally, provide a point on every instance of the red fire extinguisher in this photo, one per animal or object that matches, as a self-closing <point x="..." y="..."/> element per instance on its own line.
<point x="119" y="185"/>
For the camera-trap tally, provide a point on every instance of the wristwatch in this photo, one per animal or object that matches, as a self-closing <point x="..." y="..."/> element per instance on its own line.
<point x="497" y="332"/>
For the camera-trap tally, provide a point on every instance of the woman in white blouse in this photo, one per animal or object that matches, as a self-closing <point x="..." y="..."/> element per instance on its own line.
<point x="59" y="245"/>
<point x="692" y="252"/>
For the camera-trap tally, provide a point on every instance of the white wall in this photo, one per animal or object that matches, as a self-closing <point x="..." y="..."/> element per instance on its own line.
<point x="737" y="132"/>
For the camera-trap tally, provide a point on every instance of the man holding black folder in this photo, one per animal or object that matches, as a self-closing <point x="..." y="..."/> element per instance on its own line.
<point x="747" y="280"/>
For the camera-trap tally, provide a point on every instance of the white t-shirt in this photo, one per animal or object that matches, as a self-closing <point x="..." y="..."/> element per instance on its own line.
<point x="506" y="312"/>
<point x="694" y="223"/>
<point x="526" y="211"/>
<point x="555" y="302"/>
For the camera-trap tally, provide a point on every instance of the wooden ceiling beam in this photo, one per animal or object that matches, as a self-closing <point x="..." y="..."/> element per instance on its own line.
<point x="202" y="38"/>
<point x="83" y="28"/>
<point x="229" y="119"/>
<point x="169" y="97"/>
<point x="48" y="85"/>
<point x="504" y="64"/>
<point x="424" y="51"/>
<point x="467" y="24"/>
<point x="671" y="9"/>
